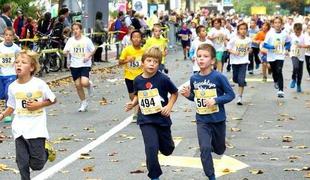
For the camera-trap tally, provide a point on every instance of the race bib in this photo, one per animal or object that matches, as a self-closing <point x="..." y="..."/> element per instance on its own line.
<point x="242" y="49"/>
<point x="149" y="101"/>
<point x="7" y="60"/>
<point x="279" y="47"/>
<point x="184" y="37"/>
<point x="135" y="64"/>
<point x="295" y="51"/>
<point x="79" y="50"/>
<point x="21" y="100"/>
<point x="201" y="97"/>
<point x="219" y="39"/>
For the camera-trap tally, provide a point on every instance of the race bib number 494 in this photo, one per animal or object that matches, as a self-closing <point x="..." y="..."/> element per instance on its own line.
<point x="21" y="101"/>
<point x="7" y="60"/>
<point x="201" y="97"/>
<point x="149" y="101"/>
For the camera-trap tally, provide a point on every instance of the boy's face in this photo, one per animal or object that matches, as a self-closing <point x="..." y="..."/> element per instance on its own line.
<point x="242" y="30"/>
<point x="23" y="65"/>
<point x="157" y="32"/>
<point x="298" y="31"/>
<point x="277" y="24"/>
<point x="217" y="24"/>
<point x="8" y="36"/>
<point x="202" y="33"/>
<point x="76" y="31"/>
<point x="204" y="59"/>
<point x="136" y="39"/>
<point x="150" y="65"/>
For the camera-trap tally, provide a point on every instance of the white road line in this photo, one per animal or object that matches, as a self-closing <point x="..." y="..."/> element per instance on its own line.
<point x="73" y="157"/>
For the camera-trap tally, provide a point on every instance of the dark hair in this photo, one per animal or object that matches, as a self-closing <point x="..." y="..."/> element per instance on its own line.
<point x="63" y="11"/>
<point x="242" y="24"/>
<point x="9" y="29"/>
<point x="61" y="18"/>
<point x="198" y="28"/>
<point x="267" y="24"/>
<point x="6" y="8"/>
<point x="77" y="24"/>
<point x="297" y="27"/>
<point x="218" y="20"/>
<point x="153" y="52"/>
<point x="120" y="13"/>
<point x="207" y="47"/>
<point x="99" y="15"/>
<point x="135" y="31"/>
<point x="47" y="16"/>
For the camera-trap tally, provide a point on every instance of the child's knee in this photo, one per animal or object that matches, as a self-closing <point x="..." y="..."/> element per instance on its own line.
<point x="37" y="165"/>
<point x="220" y="151"/>
<point x="168" y="150"/>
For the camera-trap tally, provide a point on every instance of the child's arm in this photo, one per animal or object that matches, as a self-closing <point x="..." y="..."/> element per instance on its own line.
<point x="165" y="111"/>
<point x="187" y="92"/>
<point x="8" y="111"/>
<point x="35" y="105"/>
<point x="229" y="94"/>
<point x="131" y="104"/>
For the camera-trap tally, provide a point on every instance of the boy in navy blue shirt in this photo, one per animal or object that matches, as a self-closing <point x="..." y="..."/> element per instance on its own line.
<point x="210" y="90"/>
<point x="151" y="93"/>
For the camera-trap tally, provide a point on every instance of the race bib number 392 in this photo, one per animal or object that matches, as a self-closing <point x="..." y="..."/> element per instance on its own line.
<point x="7" y="60"/>
<point x="149" y="101"/>
<point x="201" y="96"/>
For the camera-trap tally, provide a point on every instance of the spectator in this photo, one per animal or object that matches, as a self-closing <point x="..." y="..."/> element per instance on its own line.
<point x="44" y="24"/>
<point x="5" y="21"/>
<point x="99" y="27"/>
<point x="18" y="23"/>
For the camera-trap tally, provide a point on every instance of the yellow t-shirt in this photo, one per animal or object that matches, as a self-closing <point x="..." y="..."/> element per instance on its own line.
<point x="132" y="69"/>
<point x="161" y="42"/>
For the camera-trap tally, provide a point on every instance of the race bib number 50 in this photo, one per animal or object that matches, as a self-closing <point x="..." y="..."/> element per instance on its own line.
<point x="149" y="101"/>
<point x="201" y="97"/>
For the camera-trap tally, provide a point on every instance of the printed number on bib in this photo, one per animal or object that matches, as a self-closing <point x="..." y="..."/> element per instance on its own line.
<point x="149" y="101"/>
<point x="295" y="51"/>
<point x="184" y="37"/>
<point x="135" y="64"/>
<point x="279" y="47"/>
<point x="242" y="50"/>
<point x="7" y="60"/>
<point x="79" y="51"/>
<point x="21" y="101"/>
<point x="201" y="97"/>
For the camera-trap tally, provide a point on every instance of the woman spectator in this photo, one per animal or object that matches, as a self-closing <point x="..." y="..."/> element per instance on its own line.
<point x="44" y="24"/>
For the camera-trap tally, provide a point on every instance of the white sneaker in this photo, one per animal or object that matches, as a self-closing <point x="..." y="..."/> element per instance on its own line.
<point x="90" y="89"/>
<point x="239" y="100"/>
<point x="84" y="105"/>
<point x="280" y="94"/>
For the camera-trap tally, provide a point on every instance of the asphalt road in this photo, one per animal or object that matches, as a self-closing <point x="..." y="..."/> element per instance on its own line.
<point x="255" y="140"/>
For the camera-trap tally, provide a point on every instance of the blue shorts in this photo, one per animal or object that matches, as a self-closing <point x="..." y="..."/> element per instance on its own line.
<point x="5" y="81"/>
<point x="79" y="72"/>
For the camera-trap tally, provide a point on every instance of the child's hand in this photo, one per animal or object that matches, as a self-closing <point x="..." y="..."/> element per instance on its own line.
<point x="32" y="105"/>
<point x="165" y="111"/>
<point x="210" y="102"/>
<point x="129" y="106"/>
<point x="185" y="91"/>
<point x="130" y="59"/>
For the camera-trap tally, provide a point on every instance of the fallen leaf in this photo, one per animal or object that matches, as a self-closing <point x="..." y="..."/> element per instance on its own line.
<point x="307" y="175"/>
<point x="237" y="118"/>
<point x="291" y="169"/>
<point x="302" y="147"/>
<point x="103" y="101"/>
<point x="120" y="142"/>
<point x="88" y="169"/>
<point x="112" y="154"/>
<point x="287" y="138"/>
<point x="62" y="150"/>
<point x="239" y="155"/>
<point x="226" y="170"/>
<point x="306" y="168"/>
<point x="138" y="171"/>
<point x="274" y="159"/>
<point x="263" y="137"/>
<point x="256" y="171"/>
<point x="287" y="147"/>
<point x="64" y="138"/>
<point x="64" y="171"/>
<point x="114" y="160"/>
<point x="294" y="157"/>
<point x="177" y="170"/>
<point x="265" y="153"/>
<point x="235" y="129"/>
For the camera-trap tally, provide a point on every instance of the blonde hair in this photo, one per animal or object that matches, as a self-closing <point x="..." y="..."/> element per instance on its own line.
<point x="153" y="52"/>
<point x="34" y="59"/>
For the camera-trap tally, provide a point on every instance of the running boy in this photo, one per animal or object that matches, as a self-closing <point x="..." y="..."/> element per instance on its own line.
<point x="239" y="48"/>
<point x="202" y="38"/>
<point x="28" y="97"/>
<point x="8" y="52"/>
<point x="278" y="43"/>
<point x="210" y="90"/>
<point x="151" y="93"/>
<point x="297" y="55"/>
<point x="158" y="40"/>
<point x="80" y="49"/>
<point x="185" y="36"/>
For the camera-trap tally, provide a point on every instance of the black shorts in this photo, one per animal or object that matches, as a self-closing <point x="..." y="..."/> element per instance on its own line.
<point x="79" y="72"/>
<point x="129" y="85"/>
<point x="185" y="44"/>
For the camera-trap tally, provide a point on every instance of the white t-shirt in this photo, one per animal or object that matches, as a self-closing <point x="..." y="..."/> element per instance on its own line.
<point x="126" y="40"/>
<point x="194" y="46"/>
<point x="7" y="59"/>
<point x="295" y="51"/>
<point x="242" y="46"/>
<point x="277" y="40"/>
<point x="78" y="49"/>
<point x="219" y="42"/>
<point x="29" y="124"/>
<point x="307" y="42"/>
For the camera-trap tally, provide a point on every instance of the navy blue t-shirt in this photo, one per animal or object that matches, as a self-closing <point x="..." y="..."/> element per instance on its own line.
<point x="164" y="86"/>
<point x="225" y="94"/>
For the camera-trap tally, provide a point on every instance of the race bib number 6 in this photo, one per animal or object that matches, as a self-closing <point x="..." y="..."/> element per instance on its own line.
<point x="149" y="101"/>
<point x="21" y="101"/>
<point x="201" y="97"/>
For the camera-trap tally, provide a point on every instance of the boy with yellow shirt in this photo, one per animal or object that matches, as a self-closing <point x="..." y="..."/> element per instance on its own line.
<point x="131" y="59"/>
<point x="159" y="41"/>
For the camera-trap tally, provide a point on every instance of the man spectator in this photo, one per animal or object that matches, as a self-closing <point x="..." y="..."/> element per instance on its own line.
<point x="5" y="20"/>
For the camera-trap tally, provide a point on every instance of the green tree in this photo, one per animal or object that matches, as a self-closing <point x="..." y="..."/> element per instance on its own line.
<point x="244" y="6"/>
<point x="24" y="5"/>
